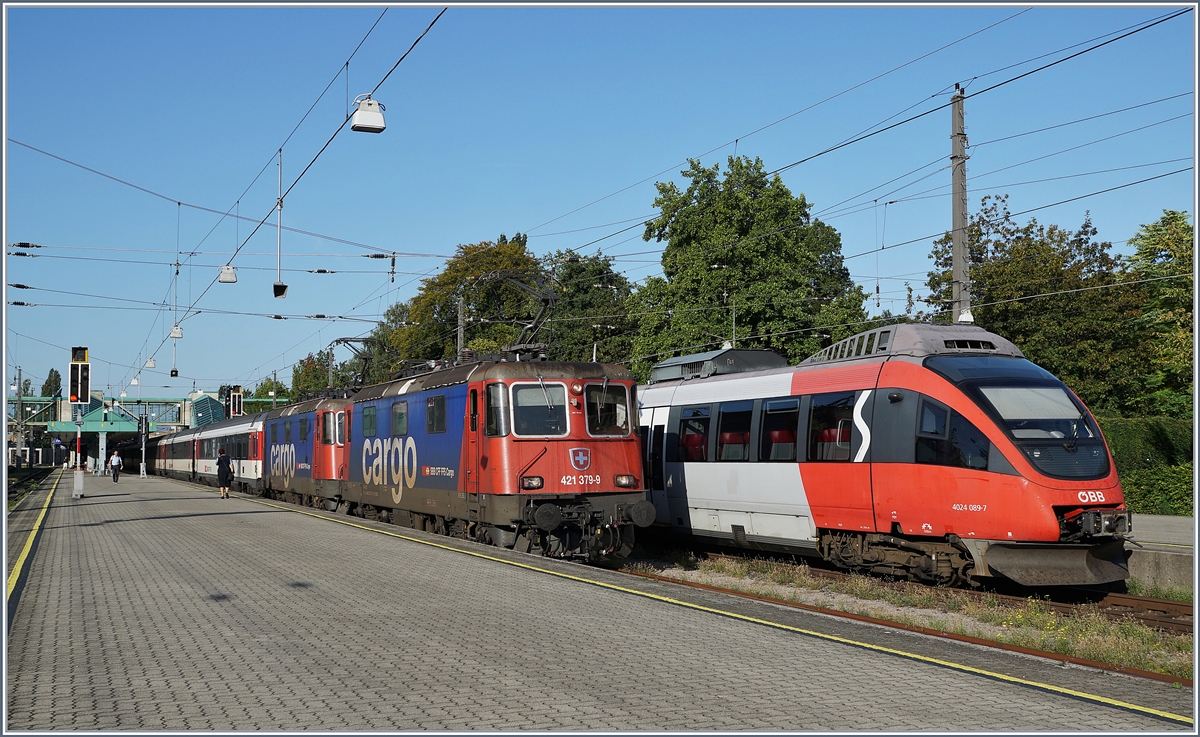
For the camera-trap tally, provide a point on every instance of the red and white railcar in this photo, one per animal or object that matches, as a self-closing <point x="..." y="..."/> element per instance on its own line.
<point x="932" y="452"/>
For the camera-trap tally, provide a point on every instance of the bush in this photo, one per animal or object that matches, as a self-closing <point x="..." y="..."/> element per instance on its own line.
<point x="1147" y="442"/>
<point x="1159" y="490"/>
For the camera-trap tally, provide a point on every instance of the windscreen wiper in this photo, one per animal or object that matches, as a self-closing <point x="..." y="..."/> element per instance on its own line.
<point x="549" y="404"/>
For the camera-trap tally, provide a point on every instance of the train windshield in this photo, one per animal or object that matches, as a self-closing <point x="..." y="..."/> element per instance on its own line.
<point x="607" y="408"/>
<point x="1044" y="420"/>
<point x="539" y="409"/>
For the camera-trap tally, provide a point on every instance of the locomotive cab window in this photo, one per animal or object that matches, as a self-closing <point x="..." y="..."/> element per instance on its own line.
<point x="693" y="434"/>
<point x="341" y="428"/>
<point x="495" y="421"/>
<point x="777" y="432"/>
<point x="607" y="409"/>
<point x="539" y="409"/>
<point x="399" y="419"/>
<point x="733" y="431"/>
<point x="435" y="414"/>
<point x="946" y="438"/>
<point x="327" y="428"/>
<point x="368" y="420"/>
<point x="830" y="420"/>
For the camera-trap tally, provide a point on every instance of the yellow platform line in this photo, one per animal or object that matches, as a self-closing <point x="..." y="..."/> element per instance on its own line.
<point x="16" y="572"/>
<point x="734" y="615"/>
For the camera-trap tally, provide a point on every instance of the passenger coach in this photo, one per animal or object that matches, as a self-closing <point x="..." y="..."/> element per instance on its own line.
<point x="930" y="452"/>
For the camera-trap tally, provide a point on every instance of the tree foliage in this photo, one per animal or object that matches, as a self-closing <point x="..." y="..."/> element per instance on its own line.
<point x="1165" y="254"/>
<point x="591" y="311"/>
<point x="426" y="326"/>
<point x="311" y="373"/>
<point x="52" y="387"/>
<point x="266" y="386"/>
<point x="1062" y="297"/>
<point x="745" y="262"/>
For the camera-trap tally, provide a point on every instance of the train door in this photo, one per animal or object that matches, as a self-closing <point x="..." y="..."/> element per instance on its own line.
<point x="325" y="446"/>
<point x="471" y="456"/>
<point x="195" y="445"/>
<point x="341" y="447"/>
<point x="835" y="465"/>
<point x="654" y="441"/>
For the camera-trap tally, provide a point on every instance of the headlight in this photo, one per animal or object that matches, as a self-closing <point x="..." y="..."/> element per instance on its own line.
<point x="626" y="480"/>
<point x="532" y="482"/>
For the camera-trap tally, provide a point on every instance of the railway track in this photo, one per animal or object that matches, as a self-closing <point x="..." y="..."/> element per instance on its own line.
<point x="26" y="480"/>
<point x="1162" y="614"/>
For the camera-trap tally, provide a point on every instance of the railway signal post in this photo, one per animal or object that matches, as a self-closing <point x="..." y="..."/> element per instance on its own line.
<point x="80" y="389"/>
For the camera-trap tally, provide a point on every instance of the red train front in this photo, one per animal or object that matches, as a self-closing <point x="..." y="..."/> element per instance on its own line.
<point x="537" y="456"/>
<point x="932" y="452"/>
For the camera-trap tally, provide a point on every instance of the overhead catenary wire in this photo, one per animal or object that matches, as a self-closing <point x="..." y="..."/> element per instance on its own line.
<point x="789" y="116"/>
<point x="341" y="126"/>
<point x="1024" y="212"/>
<point x="865" y="136"/>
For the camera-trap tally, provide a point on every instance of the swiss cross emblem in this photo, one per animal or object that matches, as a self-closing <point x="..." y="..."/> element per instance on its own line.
<point x="581" y="458"/>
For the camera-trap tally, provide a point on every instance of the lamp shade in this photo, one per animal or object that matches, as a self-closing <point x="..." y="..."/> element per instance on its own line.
<point x="368" y="118"/>
<point x="176" y="332"/>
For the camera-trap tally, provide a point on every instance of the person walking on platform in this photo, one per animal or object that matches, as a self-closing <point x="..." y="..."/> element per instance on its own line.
<point x="115" y="464"/>
<point x="224" y="473"/>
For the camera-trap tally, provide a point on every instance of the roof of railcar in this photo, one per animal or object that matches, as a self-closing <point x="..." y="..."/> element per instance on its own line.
<point x="495" y="371"/>
<point x="905" y="341"/>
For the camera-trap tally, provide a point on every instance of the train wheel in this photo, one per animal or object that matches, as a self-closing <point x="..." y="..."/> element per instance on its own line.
<point x="343" y="508"/>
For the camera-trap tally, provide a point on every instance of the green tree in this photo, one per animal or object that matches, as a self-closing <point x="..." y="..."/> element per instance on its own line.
<point x="385" y="343"/>
<point x="52" y="387"/>
<point x="1165" y="253"/>
<point x="591" y="310"/>
<point x="494" y="310"/>
<point x="266" y="386"/>
<point x="744" y="262"/>
<point x="1050" y="291"/>
<point x="311" y="373"/>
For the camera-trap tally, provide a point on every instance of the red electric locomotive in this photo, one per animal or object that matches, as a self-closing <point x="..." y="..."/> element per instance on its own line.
<point x="931" y="452"/>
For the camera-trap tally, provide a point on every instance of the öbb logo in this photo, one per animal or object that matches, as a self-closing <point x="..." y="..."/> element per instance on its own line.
<point x="1091" y="496"/>
<point x="390" y="462"/>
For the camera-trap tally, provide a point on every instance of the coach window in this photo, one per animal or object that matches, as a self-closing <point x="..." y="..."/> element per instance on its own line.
<point x="287" y="431"/>
<point x="303" y="429"/>
<point x="777" y="431"/>
<point x="368" y="422"/>
<point x="435" y="414"/>
<point x="733" y="431"/>
<point x="399" y="419"/>
<point x="495" y="421"/>
<point x="946" y="438"/>
<point x="693" y="434"/>
<point x="829" y="424"/>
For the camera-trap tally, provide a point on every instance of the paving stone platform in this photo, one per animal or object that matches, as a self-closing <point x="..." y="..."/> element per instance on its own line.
<point x="155" y="605"/>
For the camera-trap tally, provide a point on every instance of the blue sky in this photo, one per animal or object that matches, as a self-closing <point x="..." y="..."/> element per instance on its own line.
<point x="506" y="119"/>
